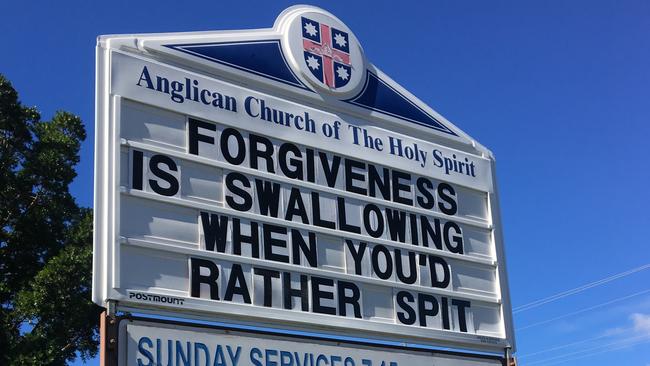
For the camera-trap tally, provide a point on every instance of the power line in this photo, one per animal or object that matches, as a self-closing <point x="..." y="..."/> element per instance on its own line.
<point x="547" y="350"/>
<point x="622" y="343"/>
<point x="608" y="346"/>
<point x="600" y="352"/>
<point x="583" y="310"/>
<point x="546" y="300"/>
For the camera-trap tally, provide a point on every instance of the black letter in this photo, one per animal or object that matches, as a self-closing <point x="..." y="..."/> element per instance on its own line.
<point x="237" y="284"/>
<point x="447" y="193"/>
<point x="351" y="176"/>
<point x="311" y="174"/>
<point x="402" y="297"/>
<point x="343" y="225"/>
<point x="413" y="270"/>
<point x="195" y="136"/>
<point x="444" y="307"/>
<point x="289" y="292"/>
<point x="371" y="207"/>
<point x="295" y="163"/>
<point x="167" y="177"/>
<point x="458" y="238"/>
<point x="315" y="205"/>
<point x="268" y="195"/>
<point x="396" y="225"/>
<point x="352" y="299"/>
<point x="374" y="181"/>
<point x="435" y="282"/>
<point x="357" y="255"/>
<point x="196" y="278"/>
<point x="317" y="294"/>
<point x="399" y="186"/>
<point x="295" y="206"/>
<point x="375" y="262"/>
<point x="330" y="171"/>
<point x="425" y="201"/>
<point x="215" y="229"/>
<point x="242" y="193"/>
<point x="267" y="274"/>
<point x="432" y="232"/>
<point x="423" y="300"/>
<point x="461" y="304"/>
<point x="267" y="154"/>
<point x="238" y="238"/>
<point x="137" y="170"/>
<point x="298" y="245"/>
<point x="241" y="147"/>
<point x="270" y="242"/>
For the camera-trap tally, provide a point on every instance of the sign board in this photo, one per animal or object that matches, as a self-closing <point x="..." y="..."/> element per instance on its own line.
<point x="143" y="343"/>
<point x="275" y="176"/>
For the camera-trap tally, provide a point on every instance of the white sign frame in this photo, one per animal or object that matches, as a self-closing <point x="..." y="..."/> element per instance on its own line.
<point x="151" y="50"/>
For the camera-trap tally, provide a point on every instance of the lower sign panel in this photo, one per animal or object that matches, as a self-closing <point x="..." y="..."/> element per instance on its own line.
<point x="145" y="343"/>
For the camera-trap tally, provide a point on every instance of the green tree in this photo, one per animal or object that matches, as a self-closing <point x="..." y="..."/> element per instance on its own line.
<point x="46" y="316"/>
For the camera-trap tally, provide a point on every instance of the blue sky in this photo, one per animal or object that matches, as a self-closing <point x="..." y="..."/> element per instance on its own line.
<point x="559" y="90"/>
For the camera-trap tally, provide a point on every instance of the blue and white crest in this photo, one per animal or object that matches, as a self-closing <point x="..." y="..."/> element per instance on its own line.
<point x="324" y="50"/>
<point x="309" y="52"/>
<point x="327" y="53"/>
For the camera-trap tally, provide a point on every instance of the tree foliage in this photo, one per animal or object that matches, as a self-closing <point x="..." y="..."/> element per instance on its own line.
<point x="46" y="316"/>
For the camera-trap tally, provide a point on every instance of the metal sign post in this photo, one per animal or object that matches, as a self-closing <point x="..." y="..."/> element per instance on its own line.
<point x="108" y="334"/>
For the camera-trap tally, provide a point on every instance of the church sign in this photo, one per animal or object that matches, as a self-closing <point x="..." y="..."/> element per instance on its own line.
<point x="277" y="177"/>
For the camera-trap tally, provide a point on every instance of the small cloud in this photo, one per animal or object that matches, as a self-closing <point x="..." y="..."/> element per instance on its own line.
<point x="615" y="331"/>
<point x="565" y="327"/>
<point x="641" y="323"/>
